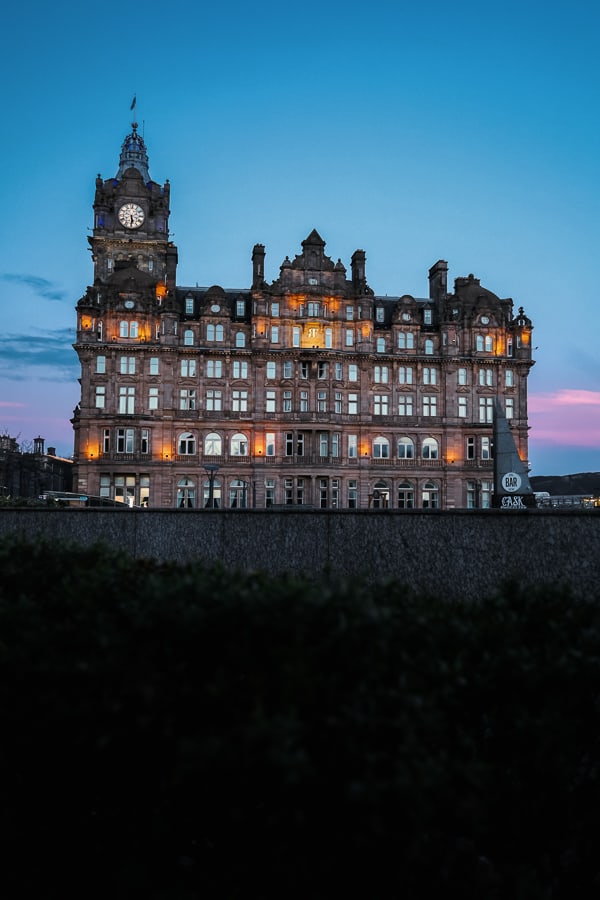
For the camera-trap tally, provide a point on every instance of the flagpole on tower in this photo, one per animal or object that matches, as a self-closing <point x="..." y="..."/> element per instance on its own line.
<point x="132" y="108"/>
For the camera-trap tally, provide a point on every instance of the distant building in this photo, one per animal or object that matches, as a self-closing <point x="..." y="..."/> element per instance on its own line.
<point x="309" y="390"/>
<point x="31" y="472"/>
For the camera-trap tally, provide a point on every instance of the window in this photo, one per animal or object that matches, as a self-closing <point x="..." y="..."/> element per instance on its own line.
<point x="406" y="340"/>
<point x="125" y="489"/>
<point x="189" y="305"/>
<point x="240" y="369"/>
<point x="145" y="440"/>
<point x="352" y="372"/>
<point x="321" y="401"/>
<point x="214" y="368"/>
<point x="287" y="368"/>
<point x="486" y="409"/>
<point x="509" y="346"/>
<point x="322" y="370"/>
<point x="486" y="377"/>
<point x="289" y="443"/>
<point x="240" y="339"/>
<point x="380" y="404"/>
<point x="127" y="365"/>
<point x="486" y="448"/>
<point x="100" y="365"/>
<point x="275" y="334"/>
<point x="188" y="337"/>
<point x="154" y="365"/>
<point x="239" y="401"/>
<point x="349" y="337"/>
<point x="462" y="408"/>
<point x="239" y="445"/>
<point x="380" y="345"/>
<point x="296" y="336"/>
<point x="300" y="491"/>
<point x="338" y="402"/>
<point x="429" y="347"/>
<point x="270" y="443"/>
<point x="339" y="371"/>
<point x="188" y="368"/>
<point x="352" y="404"/>
<point x="323" y="444"/>
<point x="352" y="493"/>
<point x="429" y="449"/>
<point x="269" y="492"/>
<point x="510" y="408"/>
<point x="275" y="309"/>
<point x="430" y="375"/>
<point x="125" y="437"/>
<point x="486" y="494"/>
<point x="271" y="370"/>
<point x="304" y="370"/>
<point x="328" y="338"/>
<point x="287" y="401"/>
<point x="128" y="329"/>
<point x="303" y="401"/>
<point x="488" y="344"/>
<point x="352" y="446"/>
<point x="106" y="440"/>
<point x="406" y="495"/>
<point x="381" y="448"/>
<point x="462" y="376"/>
<point x="187" y="398"/>
<point x="349" y="313"/>
<point x="126" y="400"/>
<point x="213" y="400"/>
<point x="186" y="494"/>
<point x="105" y="485"/>
<point x="380" y="374"/>
<point x="238" y="494"/>
<point x="431" y="495"/>
<point x="405" y="405"/>
<point x="211" y="491"/>
<point x="509" y="378"/>
<point x="186" y="445"/>
<point x="479" y="343"/>
<point x="427" y="317"/>
<point x="379" y="314"/>
<point x="100" y="396"/>
<point x="270" y="401"/>
<point x="405" y="375"/>
<point x="430" y="405"/>
<point x="406" y="448"/>
<point x="335" y="444"/>
<point x="313" y="309"/>
<point x="470" y="448"/>
<point x="213" y="444"/>
<point x="214" y="332"/>
<point x="240" y="308"/>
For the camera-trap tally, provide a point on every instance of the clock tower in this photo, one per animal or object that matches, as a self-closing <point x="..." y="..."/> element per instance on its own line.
<point x="131" y="219"/>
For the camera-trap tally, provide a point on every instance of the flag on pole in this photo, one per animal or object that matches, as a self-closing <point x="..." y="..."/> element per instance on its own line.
<point x="133" y="102"/>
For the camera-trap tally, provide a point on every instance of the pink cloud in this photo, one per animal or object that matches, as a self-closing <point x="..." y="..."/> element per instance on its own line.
<point x="8" y="403"/>
<point x="567" y="417"/>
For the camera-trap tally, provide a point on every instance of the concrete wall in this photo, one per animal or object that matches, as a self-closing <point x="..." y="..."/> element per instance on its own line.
<point x="456" y="554"/>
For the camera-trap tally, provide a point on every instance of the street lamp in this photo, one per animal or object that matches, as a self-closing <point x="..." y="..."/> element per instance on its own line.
<point x="211" y="469"/>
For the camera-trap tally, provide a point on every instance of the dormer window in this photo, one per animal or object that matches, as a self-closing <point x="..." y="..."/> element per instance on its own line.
<point x="189" y="306"/>
<point x="427" y="317"/>
<point x="379" y="314"/>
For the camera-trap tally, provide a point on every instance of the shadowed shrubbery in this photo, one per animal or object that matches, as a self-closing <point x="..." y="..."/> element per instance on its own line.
<point x="185" y="732"/>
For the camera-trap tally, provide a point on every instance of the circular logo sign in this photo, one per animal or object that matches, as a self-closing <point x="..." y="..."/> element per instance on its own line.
<point x="511" y="482"/>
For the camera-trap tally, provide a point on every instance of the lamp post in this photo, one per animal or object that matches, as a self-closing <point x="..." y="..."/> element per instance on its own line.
<point x="211" y="469"/>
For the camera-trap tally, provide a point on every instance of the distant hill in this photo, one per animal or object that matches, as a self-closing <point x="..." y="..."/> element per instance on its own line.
<point x="584" y="483"/>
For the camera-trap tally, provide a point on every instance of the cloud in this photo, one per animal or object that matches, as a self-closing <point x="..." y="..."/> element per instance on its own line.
<point x="31" y="356"/>
<point x="41" y="286"/>
<point x="7" y="403"/>
<point x="569" y="417"/>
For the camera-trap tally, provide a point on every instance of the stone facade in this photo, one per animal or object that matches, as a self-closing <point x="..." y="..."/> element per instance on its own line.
<point x="310" y="390"/>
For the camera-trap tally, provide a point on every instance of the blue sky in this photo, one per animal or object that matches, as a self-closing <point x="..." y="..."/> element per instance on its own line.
<point x="465" y="131"/>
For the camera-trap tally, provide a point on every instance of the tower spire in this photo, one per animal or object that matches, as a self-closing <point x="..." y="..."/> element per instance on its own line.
<point x="133" y="150"/>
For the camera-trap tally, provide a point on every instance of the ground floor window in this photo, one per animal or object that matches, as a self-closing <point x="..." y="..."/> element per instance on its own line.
<point x="431" y="495"/>
<point x="406" y="495"/>
<point x="381" y="495"/>
<point x="238" y="494"/>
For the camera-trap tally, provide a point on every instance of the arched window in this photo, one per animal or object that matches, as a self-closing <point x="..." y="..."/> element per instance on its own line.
<point x="210" y="332"/>
<point x="186" y="494"/>
<point x="212" y="493"/>
<point x="188" y="337"/>
<point x="213" y="444"/>
<point x="381" y="495"/>
<point x="431" y="495"/>
<point x="186" y="444"/>
<point x="406" y="448"/>
<point x="406" y="495"/>
<point x="133" y="329"/>
<point x="429" y="347"/>
<point x="123" y="329"/>
<point x="240" y="339"/>
<point x="239" y="445"/>
<point x="238" y="494"/>
<point x="479" y="343"/>
<point x="429" y="449"/>
<point x="488" y="343"/>
<point x="381" y="448"/>
<point x="219" y="332"/>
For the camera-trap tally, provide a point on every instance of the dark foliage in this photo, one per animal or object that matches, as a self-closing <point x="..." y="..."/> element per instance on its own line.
<point x="184" y="732"/>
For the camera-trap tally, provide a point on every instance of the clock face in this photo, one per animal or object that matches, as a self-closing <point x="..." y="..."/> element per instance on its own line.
<point x="131" y="215"/>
